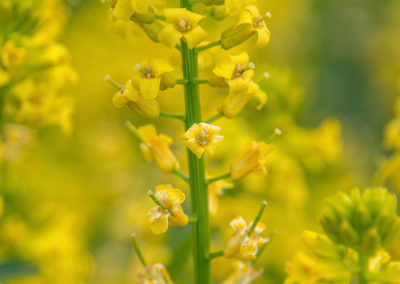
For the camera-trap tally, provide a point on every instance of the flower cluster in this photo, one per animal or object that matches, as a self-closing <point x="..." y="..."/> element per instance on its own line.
<point x="181" y="29"/>
<point x="34" y="67"/>
<point x="359" y="229"/>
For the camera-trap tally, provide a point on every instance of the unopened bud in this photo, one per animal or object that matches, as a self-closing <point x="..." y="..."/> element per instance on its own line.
<point x="235" y="36"/>
<point x="218" y="12"/>
<point x="143" y="18"/>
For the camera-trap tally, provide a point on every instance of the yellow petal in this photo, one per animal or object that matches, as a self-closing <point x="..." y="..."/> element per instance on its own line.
<point x="160" y="67"/>
<point x="242" y="58"/>
<point x="195" y="37"/>
<point x="225" y="67"/>
<point x="150" y="87"/>
<point x="179" y="218"/>
<point x="147" y="132"/>
<point x="123" y="10"/>
<point x="175" y="14"/>
<point x="146" y="152"/>
<point x="119" y="100"/>
<point x="263" y="37"/>
<point x="169" y="36"/>
<point x="159" y="224"/>
<point x="146" y="108"/>
<point x="238" y="85"/>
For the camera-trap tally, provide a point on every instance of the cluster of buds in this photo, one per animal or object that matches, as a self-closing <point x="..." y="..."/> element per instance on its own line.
<point x="366" y="223"/>
<point x="34" y="67"/>
<point x="359" y="229"/>
<point x="182" y="29"/>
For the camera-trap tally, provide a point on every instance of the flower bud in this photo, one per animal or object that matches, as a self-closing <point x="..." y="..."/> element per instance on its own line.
<point x="348" y="235"/>
<point x="147" y="108"/>
<point x="370" y="243"/>
<point x="143" y="18"/>
<point x="218" y="12"/>
<point x="235" y="36"/>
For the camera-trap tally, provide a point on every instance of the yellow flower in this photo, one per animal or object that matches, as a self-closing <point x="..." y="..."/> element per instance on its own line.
<point x="160" y="218"/>
<point x="12" y="56"/>
<point x="155" y="274"/>
<point x="236" y="72"/>
<point x="155" y="147"/>
<point x="128" y="95"/>
<point x="252" y="159"/>
<point x="182" y="24"/>
<point x="202" y="138"/>
<point x="251" y="18"/>
<point x="244" y="273"/>
<point x="215" y="190"/>
<point x="392" y="134"/>
<point x="149" y="77"/>
<point x="242" y="246"/>
<point x="122" y="10"/>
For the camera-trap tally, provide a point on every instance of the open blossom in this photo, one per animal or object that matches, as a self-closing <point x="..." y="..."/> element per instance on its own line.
<point x="251" y="18"/>
<point x="152" y="76"/>
<point x="244" y="274"/>
<point x="202" y="138"/>
<point x="236" y="72"/>
<point x="252" y="159"/>
<point x="156" y="147"/>
<point x="182" y="24"/>
<point x="130" y="96"/>
<point x="155" y="274"/>
<point x="242" y="246"/>
<point x="172" y="214"/>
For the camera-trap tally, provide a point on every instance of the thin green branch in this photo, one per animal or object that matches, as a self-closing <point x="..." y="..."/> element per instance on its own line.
<point x="201" y="81"/>
<point x="158" y="202"/>
<point x="258" y="217"/>
<point x="214" y="118"/>
<point x="208" y="46"/>
<point x="113" y="82"/>
<point x="217" y="178"/>
<point x="180" y="174"/>
<point x="215" y="254"/>
<point x="277" y="132"/>
<point x="133" y="129"/>
<point x="136" y="246"/>
<point x="181" y="81"/>
<point x="172" y="115"/>
<point x="160" y="17"/>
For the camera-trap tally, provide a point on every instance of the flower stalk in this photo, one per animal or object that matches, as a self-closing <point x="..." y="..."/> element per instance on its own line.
<point x="197" y="180"/>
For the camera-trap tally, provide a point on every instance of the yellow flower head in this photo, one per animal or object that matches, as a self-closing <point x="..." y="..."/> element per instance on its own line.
<point x="12" y="56"/>
<point x="236" y="72"/>
<point x="182" y="24"/>
<point x="4" y="77"/>
<point x="202" y="138"/>
<point x="130" y="96"/>
<point x="215" y="190"/>
<point x="152" y="76"/>
<point x="156" y="147"/>
<point x="252" y="159"/>
<point x="242" y="246"/>
<point x="155" y="274"/>
<point x="251" y="18"/>
<point x="172" y="214"/>
<point x="244" y="274"/>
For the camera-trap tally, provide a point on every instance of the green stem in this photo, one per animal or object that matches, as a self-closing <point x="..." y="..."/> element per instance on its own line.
<point x="208" y="46"/>
<point x="132" y="129"/>
<point x="215" y="254"/>
<point x="214" y="118"/>
<point x="172" y="115"/>
<point x="136" y="246"/>
<point x="201" y="81"/>
<point x="217" y="178"/>
<point x="363" y="269"/>
<point x="197" y="180"/>
<point x="258" y="217"/>
<point x="181" y="175"/>
<point x="113" y="82"/>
